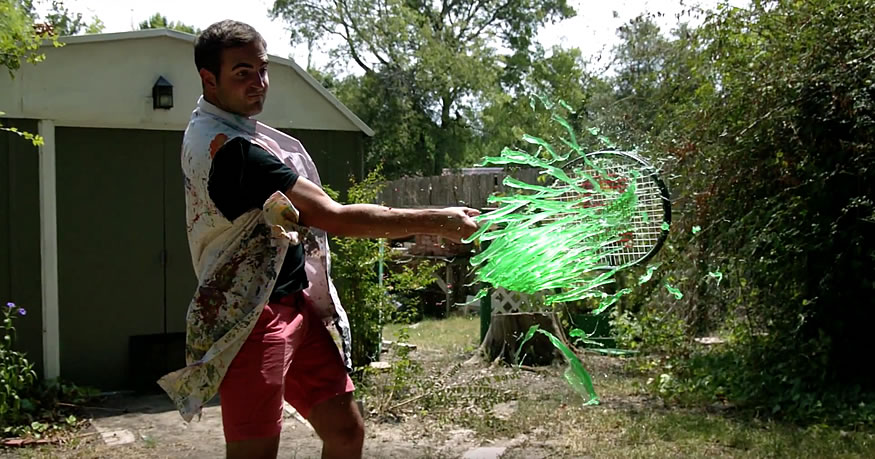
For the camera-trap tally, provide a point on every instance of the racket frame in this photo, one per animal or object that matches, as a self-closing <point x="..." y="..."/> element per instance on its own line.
<point x="648" y="170"/>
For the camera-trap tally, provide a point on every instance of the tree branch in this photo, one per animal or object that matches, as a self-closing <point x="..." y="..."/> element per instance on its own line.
<point x="469" y="17"/>
<point x="491" y="19"/>
<point x="348" y="39"/>
<point x="359" y="34"/>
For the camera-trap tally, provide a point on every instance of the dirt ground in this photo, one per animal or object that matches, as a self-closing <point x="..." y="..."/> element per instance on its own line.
<point x="439" y="402"/>
<point x="159" y="432"/>
<point x="150" y="427"/>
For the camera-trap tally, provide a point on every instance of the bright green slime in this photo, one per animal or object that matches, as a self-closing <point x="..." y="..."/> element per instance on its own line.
<point x="538" y="243"/>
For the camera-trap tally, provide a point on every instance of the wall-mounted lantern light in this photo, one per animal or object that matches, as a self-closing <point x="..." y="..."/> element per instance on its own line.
<point x="162" y="94"/>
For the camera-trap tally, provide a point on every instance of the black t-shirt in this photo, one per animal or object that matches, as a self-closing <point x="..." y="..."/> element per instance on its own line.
<point x="242" y="177"/>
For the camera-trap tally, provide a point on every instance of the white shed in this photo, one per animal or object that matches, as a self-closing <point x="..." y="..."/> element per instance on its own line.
<point x="92" y="232"/>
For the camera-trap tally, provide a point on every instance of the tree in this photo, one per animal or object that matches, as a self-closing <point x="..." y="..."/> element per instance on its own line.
<point x="405" y="135"/>
<point x="19" y="38"/>
<point x="368" y="299"/>
<point x="429" y="63"/>
<point x="157" y="21"/>
<point x="515" y="107"/>
<point x="61" y="21"/>
<point x="65" y="22"/>
<point x="96" y="26"/>
<point x="655" y="75"/>
<point x="765" y="119"/>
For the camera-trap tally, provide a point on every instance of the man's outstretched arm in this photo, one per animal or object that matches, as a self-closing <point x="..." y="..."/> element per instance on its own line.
<point x="317" y="209"/>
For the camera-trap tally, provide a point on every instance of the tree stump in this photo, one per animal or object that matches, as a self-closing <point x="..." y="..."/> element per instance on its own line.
<point x="506" y="331"/>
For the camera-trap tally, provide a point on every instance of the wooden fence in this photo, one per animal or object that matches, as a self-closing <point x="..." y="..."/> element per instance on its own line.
<point x="470" y="190"/>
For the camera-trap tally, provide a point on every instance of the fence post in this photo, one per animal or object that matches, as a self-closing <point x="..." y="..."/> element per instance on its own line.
<point x="485" y="313"/>
<point x="380" y="283"/>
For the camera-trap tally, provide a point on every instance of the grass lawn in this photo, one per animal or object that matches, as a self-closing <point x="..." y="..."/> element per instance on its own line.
<point x="451" y="335"/>
<point x="544" y="417"/>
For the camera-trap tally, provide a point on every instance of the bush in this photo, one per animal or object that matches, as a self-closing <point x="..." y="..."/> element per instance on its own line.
<point x="18" y="376"/>
<point x="28" y="405"/>
<point x="768" y="114"/>
<point x="367" y="300"/>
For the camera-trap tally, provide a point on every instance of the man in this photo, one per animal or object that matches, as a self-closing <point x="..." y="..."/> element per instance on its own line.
<point x="257" y="222"/>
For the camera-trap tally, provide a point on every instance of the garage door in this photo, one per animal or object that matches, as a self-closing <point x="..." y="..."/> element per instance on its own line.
<point x="124" y="267"/>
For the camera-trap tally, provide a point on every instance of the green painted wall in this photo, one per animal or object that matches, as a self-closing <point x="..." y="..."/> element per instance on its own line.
<point x="110" y="246"/>
<point x="180" y="280"/>
<point x="20" y="265"/>
<point x="124" y="261"/>
<point x="337" y="154"/>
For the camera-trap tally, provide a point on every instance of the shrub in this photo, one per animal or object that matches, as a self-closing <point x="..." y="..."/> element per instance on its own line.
<point x="16" y="373"/>
<point x="366" y="299"/>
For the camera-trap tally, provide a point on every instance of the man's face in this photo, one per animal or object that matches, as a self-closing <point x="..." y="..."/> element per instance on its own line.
<point x="242" y="84"/>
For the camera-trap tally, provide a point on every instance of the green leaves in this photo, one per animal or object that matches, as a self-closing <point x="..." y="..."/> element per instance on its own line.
<point x="368" y="301"/>
<point x="765" y="117"/>
<point x="429" y="69"/>
<point x="546" y="75"/>
<point x="159" y="21"/>
<point x="17" y="378"/>
<point x="35" y="139"/>
<point x="19" y="39"/>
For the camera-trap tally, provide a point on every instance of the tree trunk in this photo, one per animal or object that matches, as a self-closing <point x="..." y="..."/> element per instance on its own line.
<point x="443" y="143"/>
<point x="506" y="331"/>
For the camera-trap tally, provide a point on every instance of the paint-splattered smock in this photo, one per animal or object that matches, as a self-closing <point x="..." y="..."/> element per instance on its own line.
<point x="237" y="262"/>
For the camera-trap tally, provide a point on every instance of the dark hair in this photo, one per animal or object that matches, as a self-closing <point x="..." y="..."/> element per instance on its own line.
<point x="220" y="36"/>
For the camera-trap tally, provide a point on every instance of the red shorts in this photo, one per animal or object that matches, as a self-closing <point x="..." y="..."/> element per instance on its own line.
<point x="289" y="355"/>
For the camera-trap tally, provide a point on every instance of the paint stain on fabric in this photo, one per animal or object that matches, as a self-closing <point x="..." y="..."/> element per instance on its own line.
<point x="217" y="143"/>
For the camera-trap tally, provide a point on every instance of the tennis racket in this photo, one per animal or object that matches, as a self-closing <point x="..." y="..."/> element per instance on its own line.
<point x="595" y="215"/>
<point x="603" y="178"/>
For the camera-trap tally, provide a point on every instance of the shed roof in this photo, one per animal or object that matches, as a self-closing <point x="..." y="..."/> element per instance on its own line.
<point x="47" y="90"/>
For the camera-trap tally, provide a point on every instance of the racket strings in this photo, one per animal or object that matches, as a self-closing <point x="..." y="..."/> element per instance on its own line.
<point x="628" y="236"/>
<point x="573" y="234"/>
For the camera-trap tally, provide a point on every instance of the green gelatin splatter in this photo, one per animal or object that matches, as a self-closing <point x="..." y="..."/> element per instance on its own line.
<point x="716" y="275"/>
<point x="677" y="293"/>
<point x="649" y="274"/>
